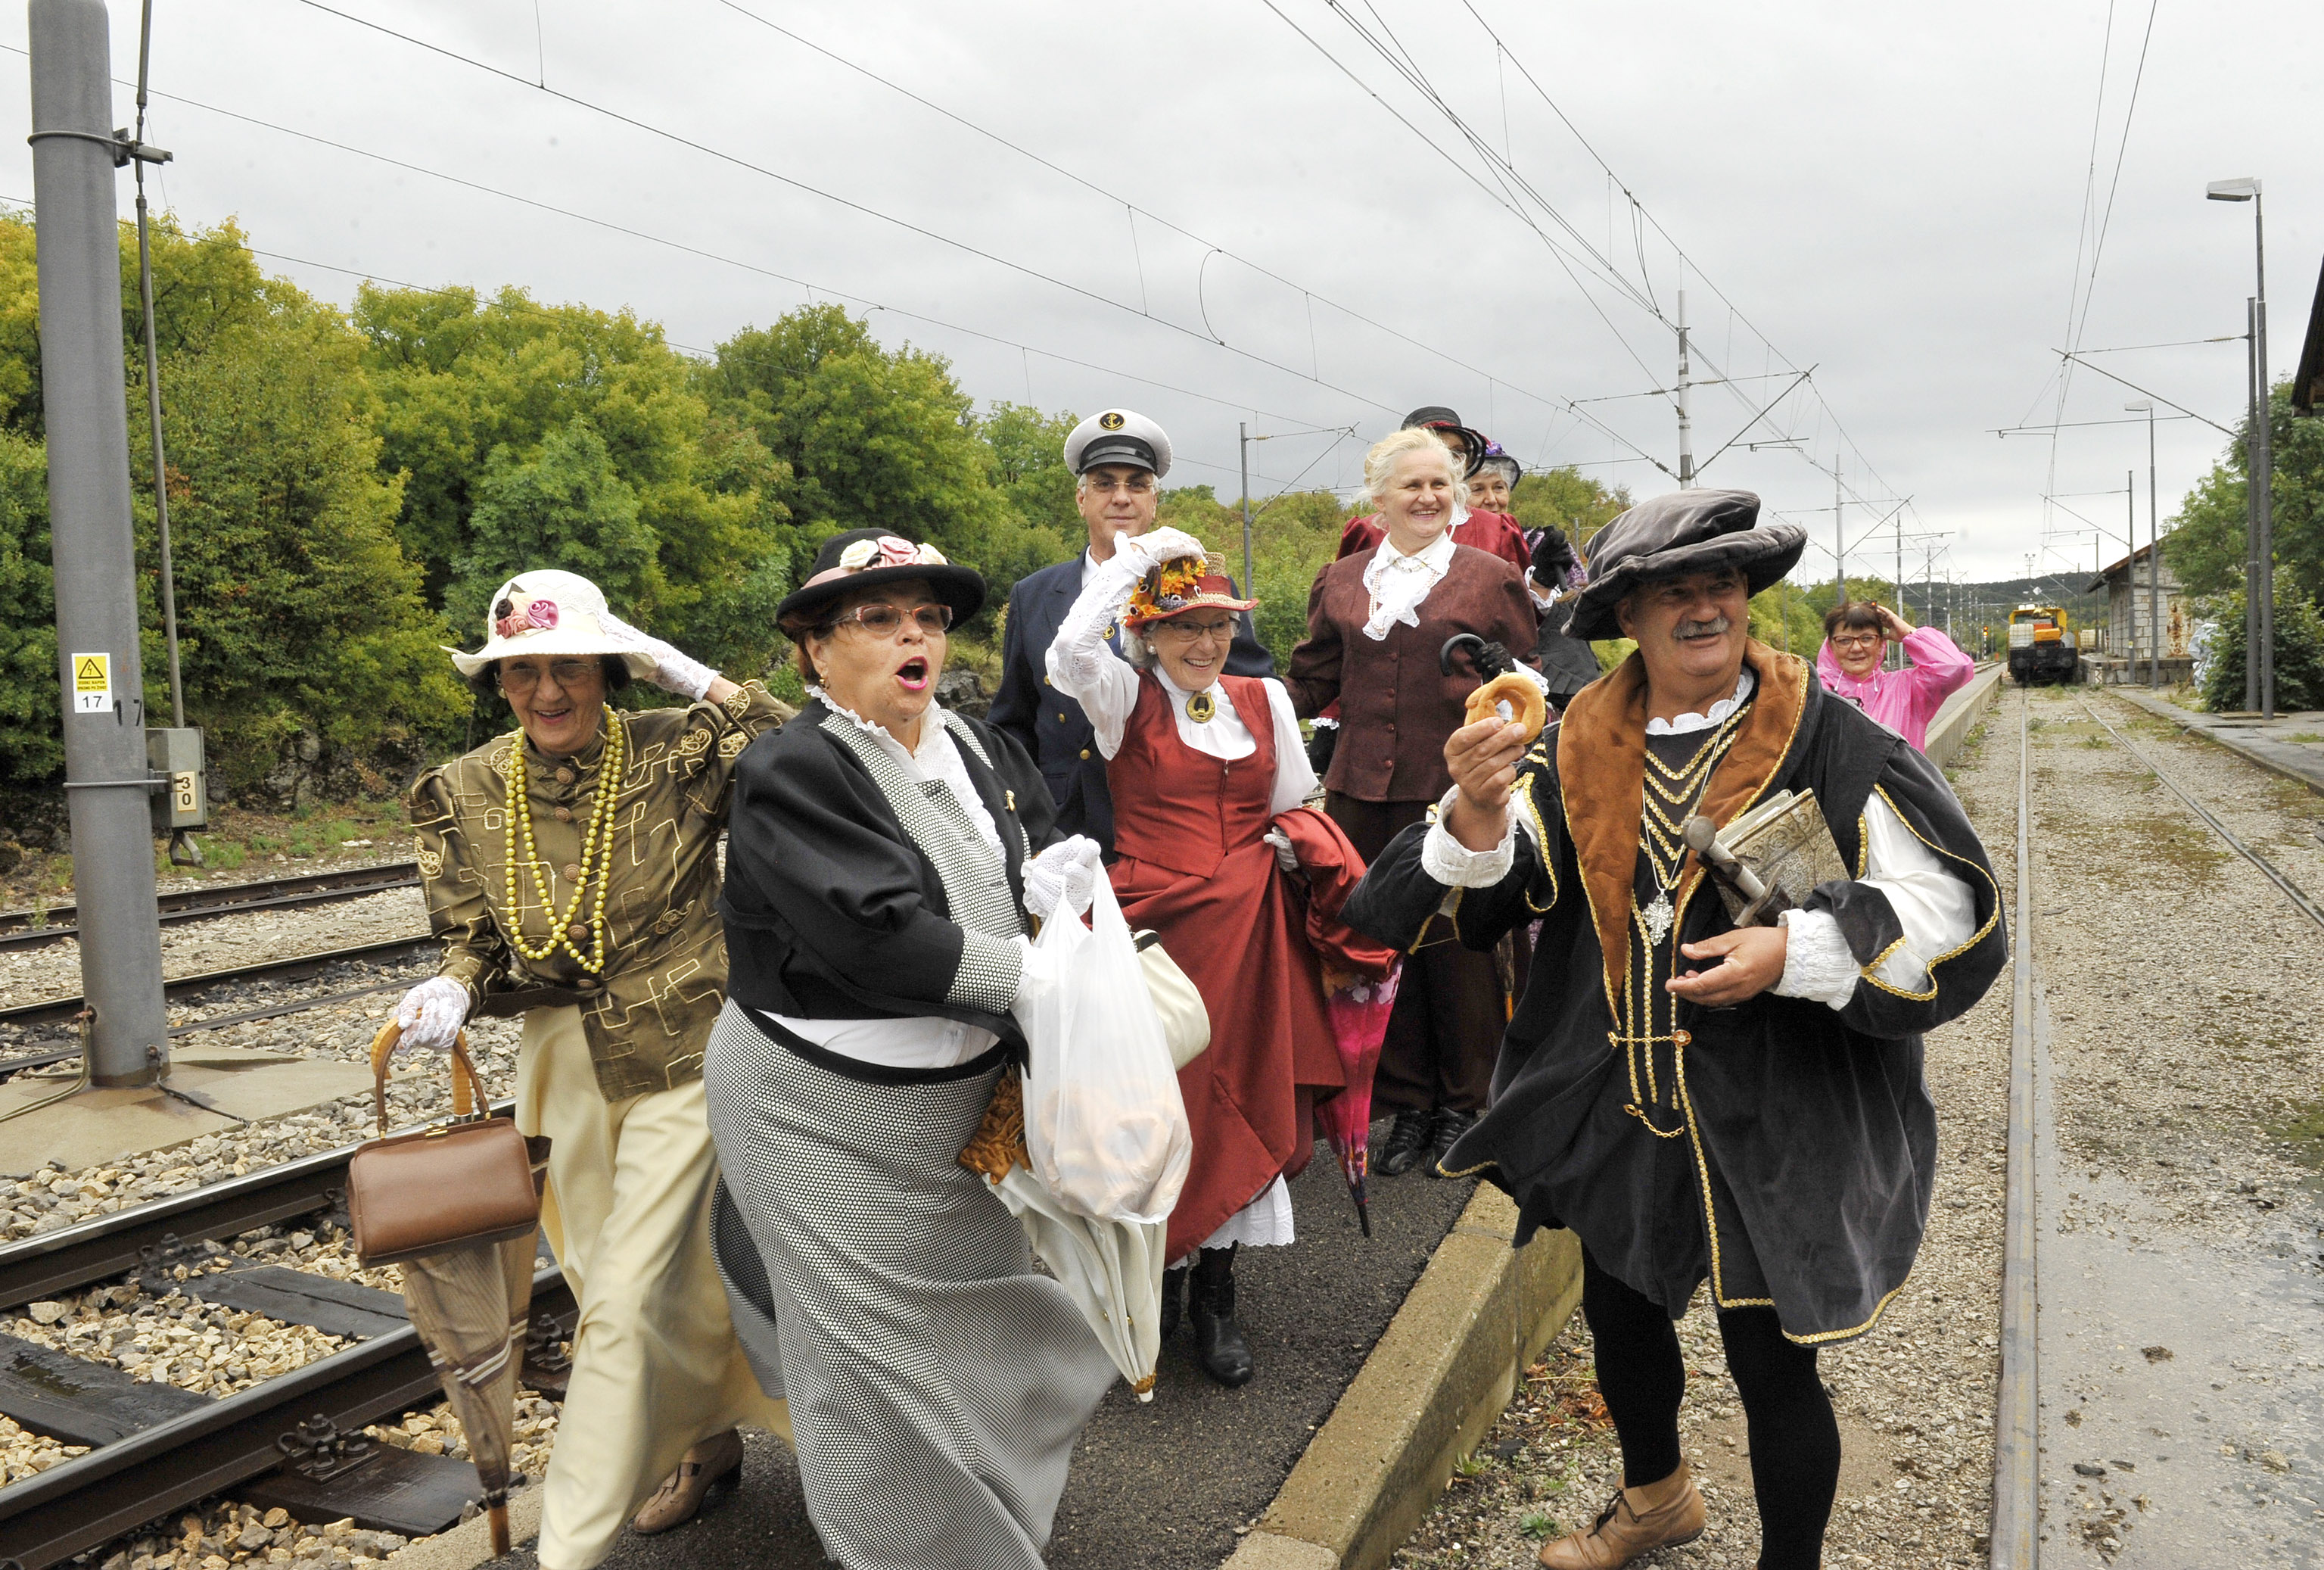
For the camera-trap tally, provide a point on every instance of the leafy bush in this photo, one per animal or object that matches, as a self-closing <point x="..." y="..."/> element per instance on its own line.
<point x="2299" y="651"/>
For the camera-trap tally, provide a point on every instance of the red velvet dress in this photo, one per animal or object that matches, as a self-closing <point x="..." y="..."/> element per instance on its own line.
<point x="1193" y="868"/>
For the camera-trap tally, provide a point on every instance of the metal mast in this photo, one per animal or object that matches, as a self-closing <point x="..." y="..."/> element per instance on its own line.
<point x="84" y="393"/>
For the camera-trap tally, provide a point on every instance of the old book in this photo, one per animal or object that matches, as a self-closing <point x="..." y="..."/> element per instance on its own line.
<point x="1785" y="841"/>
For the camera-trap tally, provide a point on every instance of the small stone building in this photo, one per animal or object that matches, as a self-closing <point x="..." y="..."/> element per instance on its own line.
<point x="2123" y="645"/>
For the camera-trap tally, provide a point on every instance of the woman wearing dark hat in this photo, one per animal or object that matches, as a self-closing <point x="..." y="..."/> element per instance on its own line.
<point x="570" y="869"/>
<point x="1375" y="624"/>
<point x="881" y="864"/>
<point x="1760" y="1121"/>
<point x="1200" y="765"/>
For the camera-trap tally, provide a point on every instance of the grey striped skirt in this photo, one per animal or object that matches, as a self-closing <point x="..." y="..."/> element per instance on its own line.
<point x="936" y="1384"/>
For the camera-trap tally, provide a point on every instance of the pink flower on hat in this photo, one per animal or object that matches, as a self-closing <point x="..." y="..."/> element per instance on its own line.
<point x="540" y="615"/>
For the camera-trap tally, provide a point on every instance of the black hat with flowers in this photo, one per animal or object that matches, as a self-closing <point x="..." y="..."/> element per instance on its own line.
<point x="867" y="557"/>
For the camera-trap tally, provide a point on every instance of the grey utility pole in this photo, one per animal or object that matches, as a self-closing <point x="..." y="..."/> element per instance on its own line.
<point x="84" y="394"/>
<point x="1839" y="535"/>
<point x="1685" y="419"/>
<point x="1242" y="445"/>
<point x="2259" y="610"/>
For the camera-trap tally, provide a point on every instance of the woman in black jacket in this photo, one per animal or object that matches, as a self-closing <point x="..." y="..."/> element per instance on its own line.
<point x="881" y="860"/>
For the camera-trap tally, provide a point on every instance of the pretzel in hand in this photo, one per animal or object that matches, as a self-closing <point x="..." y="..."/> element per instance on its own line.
<point x="1514" y="697"/>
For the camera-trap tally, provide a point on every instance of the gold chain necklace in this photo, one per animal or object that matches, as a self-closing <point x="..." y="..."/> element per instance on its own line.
<point x="597" y="857"/>
<point x="1663" y="822"/>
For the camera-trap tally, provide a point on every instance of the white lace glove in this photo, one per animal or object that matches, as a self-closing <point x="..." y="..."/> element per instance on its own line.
<point x="673" y="672"/>
<point x="1285" y="856"/>
<point x="1156" y="546"/>
<point x="431" y="1013"/>
<point x="1065" y="874"/>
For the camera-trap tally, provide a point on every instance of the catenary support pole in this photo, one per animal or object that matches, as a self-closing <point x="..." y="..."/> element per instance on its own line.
<point x="84" y="394"/>
<point x="2153" y="556"/>
<point x="1839" y="534"/>
<point x="2264" y="468"/>
<point x="1685" y="419"/>
<point x="2251" y="509"/>
<point x="1243" y="447"/>
<point x="153" y="385"/>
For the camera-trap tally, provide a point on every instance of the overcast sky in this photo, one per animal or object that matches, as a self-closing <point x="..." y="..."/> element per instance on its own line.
<point x="1896" y="197"/>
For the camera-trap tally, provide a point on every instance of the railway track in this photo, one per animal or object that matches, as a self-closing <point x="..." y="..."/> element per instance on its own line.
<point x="19" y="929"/>
<point x="157" y="1455"/>
<point x="192" y="988"/>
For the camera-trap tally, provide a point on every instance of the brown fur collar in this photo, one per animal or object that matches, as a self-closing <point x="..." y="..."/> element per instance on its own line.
<point x="1602" y="767"/>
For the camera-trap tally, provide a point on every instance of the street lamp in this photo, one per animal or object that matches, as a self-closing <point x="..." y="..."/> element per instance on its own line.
<point x="2259" y="592"/>
<point x="2153" y="553"/>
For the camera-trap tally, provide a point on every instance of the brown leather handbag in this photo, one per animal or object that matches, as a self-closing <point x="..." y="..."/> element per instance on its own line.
<point x="474" y="1179"/>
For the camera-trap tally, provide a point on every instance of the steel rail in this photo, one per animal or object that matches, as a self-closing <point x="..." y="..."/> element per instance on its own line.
<point x="107" y="1245"/>
<point x="17" y="931"/>
<point x="292" y="967"/>
<point x="2291" y="890"/>
<point x="2016" y="1541"/>
<point x="93" y="1499"/>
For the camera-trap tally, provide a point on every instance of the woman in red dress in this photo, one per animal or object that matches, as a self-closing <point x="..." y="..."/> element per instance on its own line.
<point x="1200" y="764"/>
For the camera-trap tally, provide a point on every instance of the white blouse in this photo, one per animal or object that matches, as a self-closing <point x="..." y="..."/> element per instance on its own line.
<point x="1083" y="666"/>
<point x="1398" y="583"/>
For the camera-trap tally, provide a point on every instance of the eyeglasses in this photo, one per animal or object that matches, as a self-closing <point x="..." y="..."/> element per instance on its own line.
<point x="1105" y="484"/>
<point x="1868" y="640"/>
<point x="569" y="674"/>
<point x="887" y="620"/>
<point x="1185" y="633"/>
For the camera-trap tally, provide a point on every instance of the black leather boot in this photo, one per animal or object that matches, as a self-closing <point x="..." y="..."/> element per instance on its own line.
<point x="1407" y="1141"/>
<point x="1450" y="1125"/>
<point x="1174" y="1300"/>
<point x="1219" y="1343"/>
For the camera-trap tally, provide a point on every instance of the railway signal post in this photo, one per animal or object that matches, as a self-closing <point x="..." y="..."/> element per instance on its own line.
<point x="107" y="785"/>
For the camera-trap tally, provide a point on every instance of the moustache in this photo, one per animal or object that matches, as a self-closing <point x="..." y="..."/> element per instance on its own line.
<point x="1687" y="632"/>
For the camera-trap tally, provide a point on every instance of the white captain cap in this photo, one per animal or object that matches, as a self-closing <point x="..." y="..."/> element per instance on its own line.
<point x="1118" y="436"/>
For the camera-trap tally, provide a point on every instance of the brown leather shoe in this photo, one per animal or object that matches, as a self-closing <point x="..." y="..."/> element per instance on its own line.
<point x="715" y="1463"/>
<point x="1661" y="1515"/>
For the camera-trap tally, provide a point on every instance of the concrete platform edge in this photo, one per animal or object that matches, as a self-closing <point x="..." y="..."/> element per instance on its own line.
<point x="1958" y="715"/>
<point x="470" y="1543"/>
<point x="1440" y="1375"/>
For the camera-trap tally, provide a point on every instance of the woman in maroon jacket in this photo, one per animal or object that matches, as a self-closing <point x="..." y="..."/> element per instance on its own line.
<point x="1375" y="623"/>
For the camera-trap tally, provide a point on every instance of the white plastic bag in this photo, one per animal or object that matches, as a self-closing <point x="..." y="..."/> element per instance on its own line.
<point x="1104" y="1120"/>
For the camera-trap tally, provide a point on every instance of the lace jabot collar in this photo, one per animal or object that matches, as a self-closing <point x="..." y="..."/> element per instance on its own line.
<point x="1744" y="684"/>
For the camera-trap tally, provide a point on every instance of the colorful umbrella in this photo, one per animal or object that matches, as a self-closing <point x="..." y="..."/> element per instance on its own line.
<point x="1112" y="1269"/>
<point x="1358" y="1008"/>
<point x="1360" y="980"/>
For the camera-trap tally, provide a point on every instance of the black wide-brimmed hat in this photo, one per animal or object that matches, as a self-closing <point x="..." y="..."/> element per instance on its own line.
<point x="1436" y="417"/>
<point x="1671" y="536"/>
<point x="867" y="557"/>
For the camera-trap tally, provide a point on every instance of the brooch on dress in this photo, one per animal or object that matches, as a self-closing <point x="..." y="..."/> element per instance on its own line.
<point x="1201" y="705"/>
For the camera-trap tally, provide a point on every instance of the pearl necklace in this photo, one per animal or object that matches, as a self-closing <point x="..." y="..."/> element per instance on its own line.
<point x="597" y="857"/>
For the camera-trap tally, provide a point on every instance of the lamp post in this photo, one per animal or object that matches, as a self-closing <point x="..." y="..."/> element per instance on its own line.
<point x="2154" y="552"/>
<point x="2259" y="593"/>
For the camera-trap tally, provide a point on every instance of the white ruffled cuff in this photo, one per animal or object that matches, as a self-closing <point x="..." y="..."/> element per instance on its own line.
<point x="1817" y="964"/>
<point x="1454" y="865"/>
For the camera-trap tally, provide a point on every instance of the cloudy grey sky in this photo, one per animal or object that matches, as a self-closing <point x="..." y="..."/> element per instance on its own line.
<point x="1896" y="197"/>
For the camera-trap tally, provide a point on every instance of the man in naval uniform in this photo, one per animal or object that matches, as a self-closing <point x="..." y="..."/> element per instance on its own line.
<point x="1121" y="457"/>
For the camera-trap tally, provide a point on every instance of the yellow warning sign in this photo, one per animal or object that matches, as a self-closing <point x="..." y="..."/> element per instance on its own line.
<point x="92" y="683"/>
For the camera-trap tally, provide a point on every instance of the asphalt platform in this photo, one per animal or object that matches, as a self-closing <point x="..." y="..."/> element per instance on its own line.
<point x="1162" y="1486"/>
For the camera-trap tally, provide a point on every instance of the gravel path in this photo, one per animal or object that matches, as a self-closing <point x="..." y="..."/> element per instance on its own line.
<point x="1914" y="1397"/>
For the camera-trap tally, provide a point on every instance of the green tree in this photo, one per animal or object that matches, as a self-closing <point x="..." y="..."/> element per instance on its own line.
<point x="2299" y="651"/>
<point x="1565" y="498"/>
<point x="299" y="614"/>
<point x="2206" y="545"/>
<point x="874" y="437"/>
<point x="32" y="745"/>
<point x="1028" y="465"/>
<point x="554" y="423"/>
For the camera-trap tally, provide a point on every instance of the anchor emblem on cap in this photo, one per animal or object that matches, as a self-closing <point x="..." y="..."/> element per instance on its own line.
<point x="1111" y="420"/>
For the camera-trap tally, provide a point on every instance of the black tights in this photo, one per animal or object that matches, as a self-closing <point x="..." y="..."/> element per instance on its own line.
<point x="1794" y="1440"/>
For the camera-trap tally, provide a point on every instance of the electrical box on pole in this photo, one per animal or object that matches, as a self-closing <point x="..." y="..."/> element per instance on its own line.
<point x="108" y="784"/>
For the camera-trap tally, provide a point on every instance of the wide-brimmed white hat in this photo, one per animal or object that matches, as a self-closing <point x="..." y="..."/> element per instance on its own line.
<point x="552" y="613"/>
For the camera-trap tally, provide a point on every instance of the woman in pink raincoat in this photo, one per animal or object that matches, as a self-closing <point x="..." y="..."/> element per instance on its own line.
<point x="1856" y="636"/>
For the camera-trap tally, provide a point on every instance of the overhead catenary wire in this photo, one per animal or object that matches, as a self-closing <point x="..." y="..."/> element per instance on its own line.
<point x="1641" y="292"/>
<point x="1097" y="297"/>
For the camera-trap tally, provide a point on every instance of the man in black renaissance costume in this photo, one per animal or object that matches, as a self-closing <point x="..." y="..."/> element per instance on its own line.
<point x="1699" y="1101"/>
